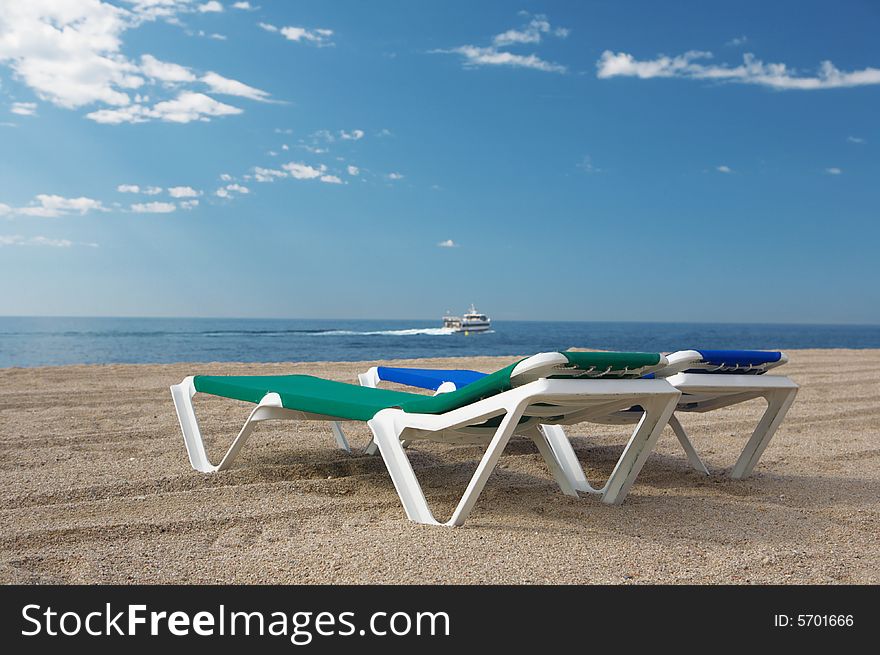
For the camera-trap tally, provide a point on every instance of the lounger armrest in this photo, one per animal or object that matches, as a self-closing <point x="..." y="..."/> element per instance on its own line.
<point x="678" y="362"/>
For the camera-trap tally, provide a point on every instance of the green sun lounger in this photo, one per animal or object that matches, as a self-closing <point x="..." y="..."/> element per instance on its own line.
<point x="545" y="389"/>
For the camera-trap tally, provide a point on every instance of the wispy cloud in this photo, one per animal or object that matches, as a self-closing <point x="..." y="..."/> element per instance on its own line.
<point x="724" y="169"/>
<point x="694" y="65"/>
<point x="497" y="54"/>
<point x="319" y="37"/>
<point x="354" y="135"/>
<point x="738" y="41"/>
<point x="855" y="139"/>
<point x="353" y="170"/>
<point x="24" y="108"/>
<point x="188" y="106"/>
<point x="136" y="188"/>
<point x="51" y="206"/>
<point x="587" y="166"/>
<point x="153" y="207"/>
<point x="834" y="170"/>
<point x="394" y="176"/>
<point x="267" y="174"/>
<point x="301" y="171"/>
<point x="225" y="86"/>
<point x="449" y="243"/>
<point x="183" y="192"/>
<point x="18" y="240"/>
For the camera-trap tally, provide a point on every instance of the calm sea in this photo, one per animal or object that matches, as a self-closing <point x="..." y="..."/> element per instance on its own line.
<point x="55" y="341"/>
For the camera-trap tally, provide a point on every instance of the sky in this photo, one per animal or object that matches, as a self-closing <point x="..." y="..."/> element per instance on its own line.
<point x="601" y="161"/>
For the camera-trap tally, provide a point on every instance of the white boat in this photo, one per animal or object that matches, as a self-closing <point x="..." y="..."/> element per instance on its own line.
<point x="471" y="321"/>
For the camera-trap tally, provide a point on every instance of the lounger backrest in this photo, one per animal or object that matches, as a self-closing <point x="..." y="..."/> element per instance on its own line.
<point x="581" y="365"/>
<point x="543" y="365"/>
<point x="749" y="362"/>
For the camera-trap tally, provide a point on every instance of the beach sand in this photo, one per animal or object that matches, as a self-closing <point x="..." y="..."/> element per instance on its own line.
<point x="97" y="488"/>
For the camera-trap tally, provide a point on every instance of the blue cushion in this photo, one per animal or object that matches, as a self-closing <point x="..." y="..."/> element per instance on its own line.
<point x="428" y="378"/>
<point x="739" y="357"/>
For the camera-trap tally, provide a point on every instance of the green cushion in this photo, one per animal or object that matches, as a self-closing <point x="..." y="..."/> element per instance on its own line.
<point x="306" y="393"/>
<point x="615" y="361"/>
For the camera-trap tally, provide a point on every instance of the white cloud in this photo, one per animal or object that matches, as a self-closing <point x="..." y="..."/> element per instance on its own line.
<point x="855" y="139"/>
<point x="165" y="71"/>
<point x="237" y="188"/>
<point x="532" y="33"/>
<point x="183" y="192"/>
<point x="5" y="210"/>
<point x="331" y="179"/>
<point x="394" y="176"/>
<point x="128" y="188"/>
<point x="586" y="165"/>
<point x="476" y="56"/>
<point x="353" y="170"/>
<point x="449" y="243"/>
<point x="267" y="174"/>
<point x="320" y="37"/>
<point x="245" y="6"/>
<point x="226" y="177"/>
<point x="24" y="108"/>
<point x="152" y="190"/>
<point x="71" y="54"/>
<point x="833" y="170"/>
<point x="384" y="132"/>
<point x="354" y="135"/>
<point x="18" y="240"/>
<point x="752" y="71"/>
<point x="189" y="204"/>
<point x="226" y="86"/>
<point x="724" y="169"/>
<point x="300" y="171"/>
<point x="153" y="207"/>
<point x="50" y="206"/>
<point x="222" y="193"/>
<point x="211" y="7"/>
<point x="186" y="107"/>
<point x="284" y="146"/>
<point x="737" y="41"/>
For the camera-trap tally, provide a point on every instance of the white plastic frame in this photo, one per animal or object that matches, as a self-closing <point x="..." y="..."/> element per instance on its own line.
<point x="523" y="410"/>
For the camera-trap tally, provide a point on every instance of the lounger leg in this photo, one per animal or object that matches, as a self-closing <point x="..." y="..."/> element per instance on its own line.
<point x="192" y="437"/>
<point x="567" y="458"/>
<point x="386" y="437"/>
<point x="485" y="467"/>
<point x="341" y="441"/>
<point x="657" y="413"/>
<point x="386" y="434"/>
<point x="778" y="403"/>
<point x="693" y="458"/>
<point x="553" y="464"/>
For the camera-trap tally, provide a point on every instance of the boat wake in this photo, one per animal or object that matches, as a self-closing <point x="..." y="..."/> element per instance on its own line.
<point x="431" y="332"/>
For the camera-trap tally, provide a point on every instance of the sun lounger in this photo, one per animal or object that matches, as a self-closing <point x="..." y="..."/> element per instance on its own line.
<point x="708" y="380"/>
<point x="548" y="388"/>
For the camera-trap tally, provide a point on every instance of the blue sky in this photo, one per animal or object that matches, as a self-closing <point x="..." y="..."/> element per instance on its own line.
<point x="545" y="160"/>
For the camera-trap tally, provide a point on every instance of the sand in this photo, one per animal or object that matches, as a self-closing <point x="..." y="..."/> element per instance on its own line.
<point x="97" y="489"/>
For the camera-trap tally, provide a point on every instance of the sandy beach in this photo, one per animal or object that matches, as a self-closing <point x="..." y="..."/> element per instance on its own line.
<point x="97" y="489"/>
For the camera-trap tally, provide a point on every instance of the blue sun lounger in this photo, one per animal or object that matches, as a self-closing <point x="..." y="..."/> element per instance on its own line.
<point x="708" y="380"/>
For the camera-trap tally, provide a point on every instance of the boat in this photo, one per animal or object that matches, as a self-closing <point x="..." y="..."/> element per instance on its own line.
<point x="470" y="321"/>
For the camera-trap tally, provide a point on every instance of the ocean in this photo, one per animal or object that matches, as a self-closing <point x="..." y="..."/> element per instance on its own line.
<point x="26" y="341"/>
